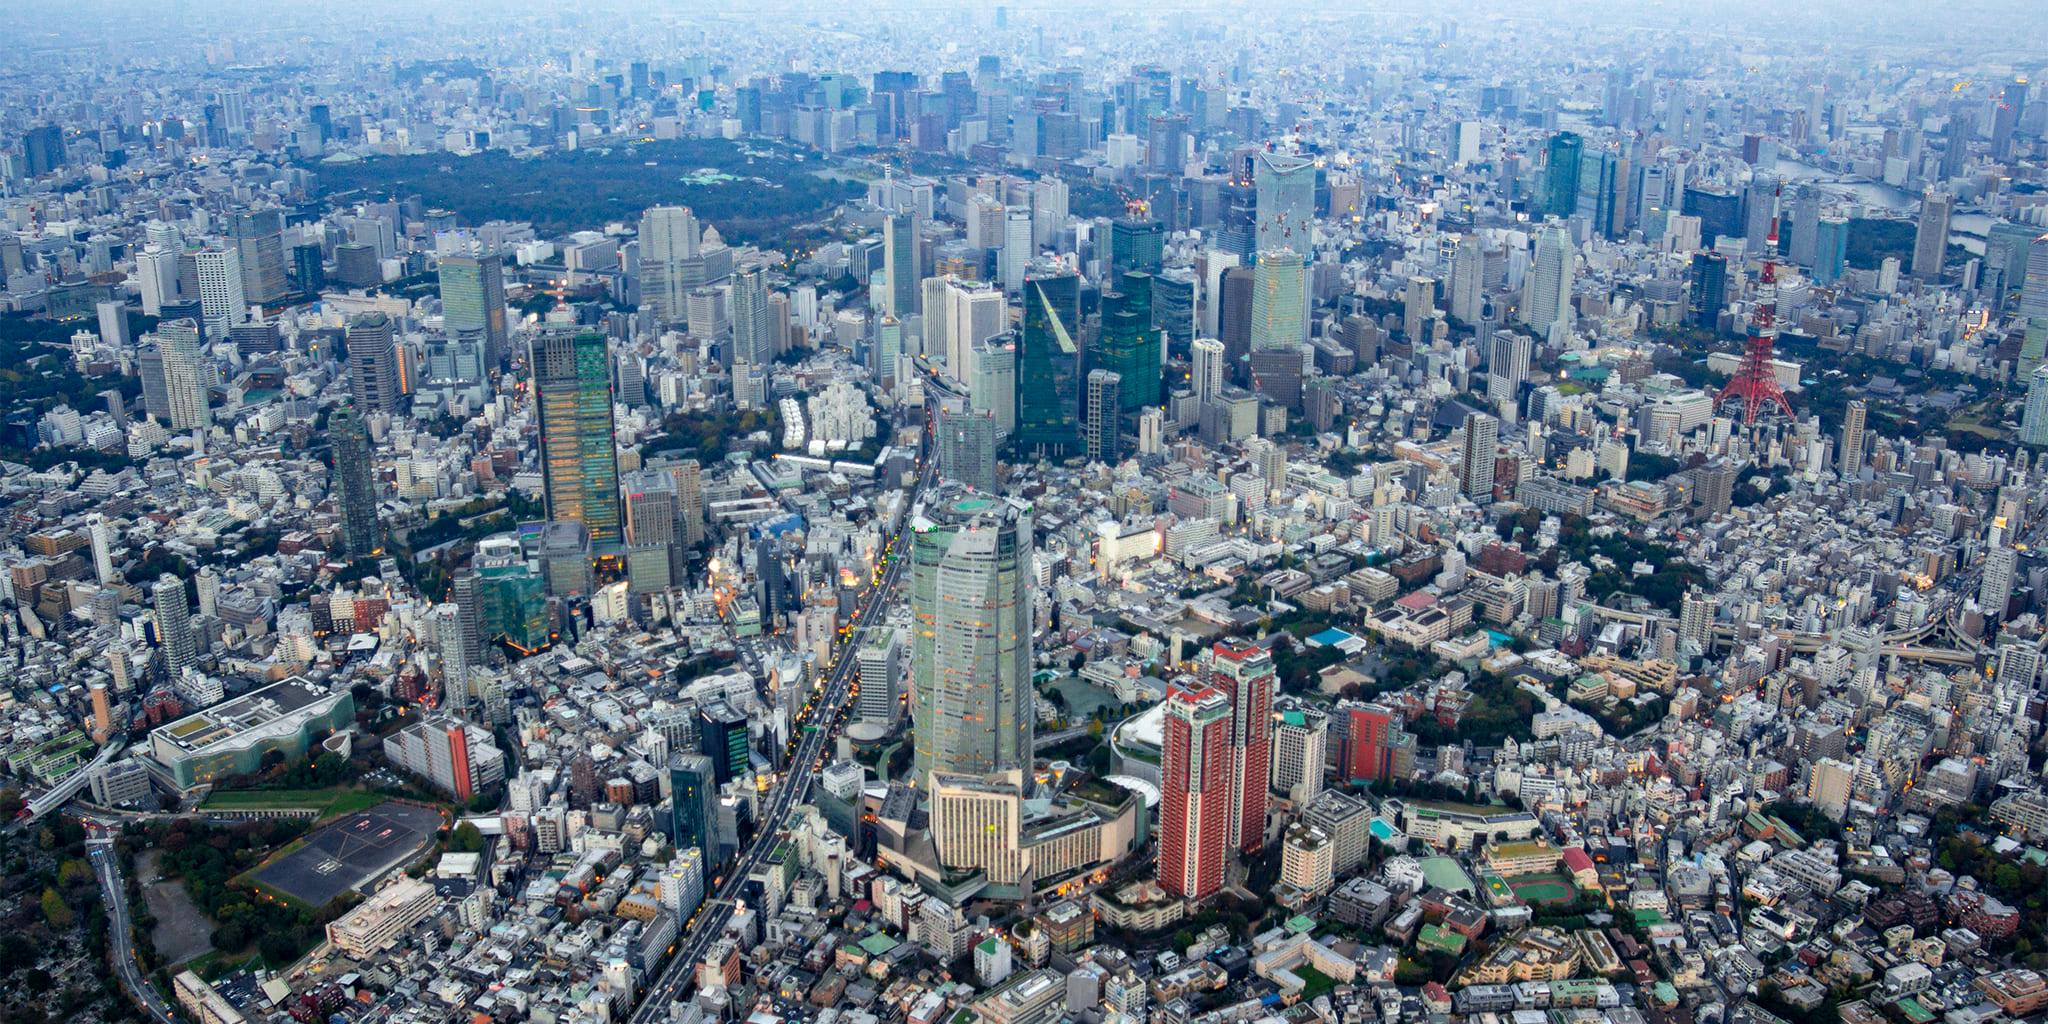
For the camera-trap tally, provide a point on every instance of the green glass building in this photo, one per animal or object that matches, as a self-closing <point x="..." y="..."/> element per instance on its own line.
<point x="512" y="605"/>
<point x="1561" y="180"/>
<point x="579" y="456"/>
<point x="1129" y="345"/>
<point x="1049" y="367"/>
<point x="1136" y="245"/>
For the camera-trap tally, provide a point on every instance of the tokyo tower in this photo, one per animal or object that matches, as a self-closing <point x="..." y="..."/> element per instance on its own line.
<point x="1754" y="382"/>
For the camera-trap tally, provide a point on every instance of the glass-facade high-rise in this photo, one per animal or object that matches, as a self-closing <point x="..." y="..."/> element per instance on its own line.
<point x="1129" y="345"/>
<point x="693" y="802"/>
<point x="579" y="460"/>
<point x="354" y="487"/>
<point x="1286" y="197"/>
<point x="1561" y="180"/>
<point x="971" y="620"/>
<point x="473" y="299"/>
<point x="1049" y="367"/>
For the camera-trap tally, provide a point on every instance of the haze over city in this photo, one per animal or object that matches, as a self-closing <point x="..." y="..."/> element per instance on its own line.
<point x="1023" y="513"/>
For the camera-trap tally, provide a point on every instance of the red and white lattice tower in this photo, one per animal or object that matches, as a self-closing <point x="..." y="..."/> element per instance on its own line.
<point x="1754" y="381"/>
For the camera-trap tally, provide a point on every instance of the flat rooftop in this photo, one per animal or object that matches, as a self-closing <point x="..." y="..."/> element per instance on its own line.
<point x="231" y="718"/>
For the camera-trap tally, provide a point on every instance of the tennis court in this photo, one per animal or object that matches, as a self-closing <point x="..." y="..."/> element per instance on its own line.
<point x="351" y="853"/>
<point x="1543" y="889"/>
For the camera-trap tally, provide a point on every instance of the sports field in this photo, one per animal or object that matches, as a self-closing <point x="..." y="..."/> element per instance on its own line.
<point x="1549" y="888"/>
<point x="350" y="853"/>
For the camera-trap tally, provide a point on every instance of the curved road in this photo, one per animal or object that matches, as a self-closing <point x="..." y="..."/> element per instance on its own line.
<point x="680" y="973"/>
<point x="119" y="926"/>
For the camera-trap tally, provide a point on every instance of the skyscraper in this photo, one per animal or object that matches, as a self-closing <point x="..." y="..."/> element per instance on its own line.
<point x="1830" y="249"/>
<point x="992" y="386"/>
<point x="1195" y="780"/>
<point x="2034" y="423"/>
<point x="967" y="448"/>
<point x="898" y="297"/>
<point x="1468" y="279"/>
<point x="1548" y="304"/>
<point x="1507" y="366"/>
<point x="1128" y="344"/>
<point x="1207" y="367"/>
<point x="668" y="237"/>
<point x="174" y="624"/>
<point x="1852" y="437"/>
<point x="1048" y="367"/>
<point x="579" y="455"/>
<point x="1105" y="406"/>
<point x="1561" y="178"/>
<point x="1930" y="235"/>
<point x="1482" y="442"/>
<point x="1244" y="673"/>
<point x="1277" y="304"/>
<point x="1286" y="196"/>
<point x="1707" y="292"/>
<point x="184" y="374"/>
<point x="1136" y="245"/>
<point x="373" y="363"/>
<point x="473" y="299"/>
<point x="222" y="303"/>
<point x="753" y="322"/>
<point x="722" y="739"/>
<point x="1994" y="591"/>
<point x="971" y="622"/>
<point x="259" y="244"/>
<point x="354" y="490"/>
<point x="1017" y="248"/>
<point x="693" y="803"/>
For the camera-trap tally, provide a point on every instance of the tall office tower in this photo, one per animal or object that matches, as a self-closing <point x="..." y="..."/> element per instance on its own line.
<point x="102" y="537"/>
<point x="309" y="269"/>
<point x="184" y="374"/>
<point x="1853" y="437"/>
<point x="1831" y="249"/>
<point x="1234" y="318"/>
<point x="1994" y="591"/>
<point x="42" y="150"/>
<point x="1301" y="735"/>
<point x="1804" y="241"/>
<point x="973" y="312"/>
<point x="1286" y="211"/>
<point x="259" y="244"/>
<point x="1244" y="673"/>
<point x="1105" y="403"/>
<point x="1930" y="235"/>
<point x="970" y="657"/>
<point x="1128" y="344"/>
<point x="2012" y="106"/>
<point x="1962" y="127"/>
<point x="174" y="624"/>
<point x="1049" y="367"/>
<point x="1418" y="310"/>
<point x="1277" y="306"/>
<point x="722" y="737"/>
<point x="1018" y="248"/>
<point x="1194" y="806"/>
<point x="2034" y="424"/>
<point x="1468" y="279"/>
<point x="2034" y="289"/>
<point x="1561" y="176"/>
<point x="354" y="488"/>
<point x="693" y="804"/>
<point x="1707" y="290"/>
<point x="898" y="294"/>
<point x="1049" y="210"/>
<point x="1207" y="365"/>
<point x="579" y="453"/>
<point x="1482" y="444"/>
<point x="149" y="367"/>
<point x="1714" y="485"/>
<point x="967" y="449"/>
<point x="689" y="477"/>
<point x="888" y="347"/>
<point x="668" y="239"/>
<point x="1548" y="305"/>
<point x="373" y="374"/>
<point x="651" y="536"/>
<point x="473" y="299"/>
<point x="1507" y="366"/>
<point x="1603" y="191"/>
<point x="157" y="271"/>
<point x="753" y="321"/>
<point x="1136" y="244"/>
<point x="878" y="669"/>
<point x="1759" y="211"/>
<point x="993" y="385"/>
<point x="222" y="303"/>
